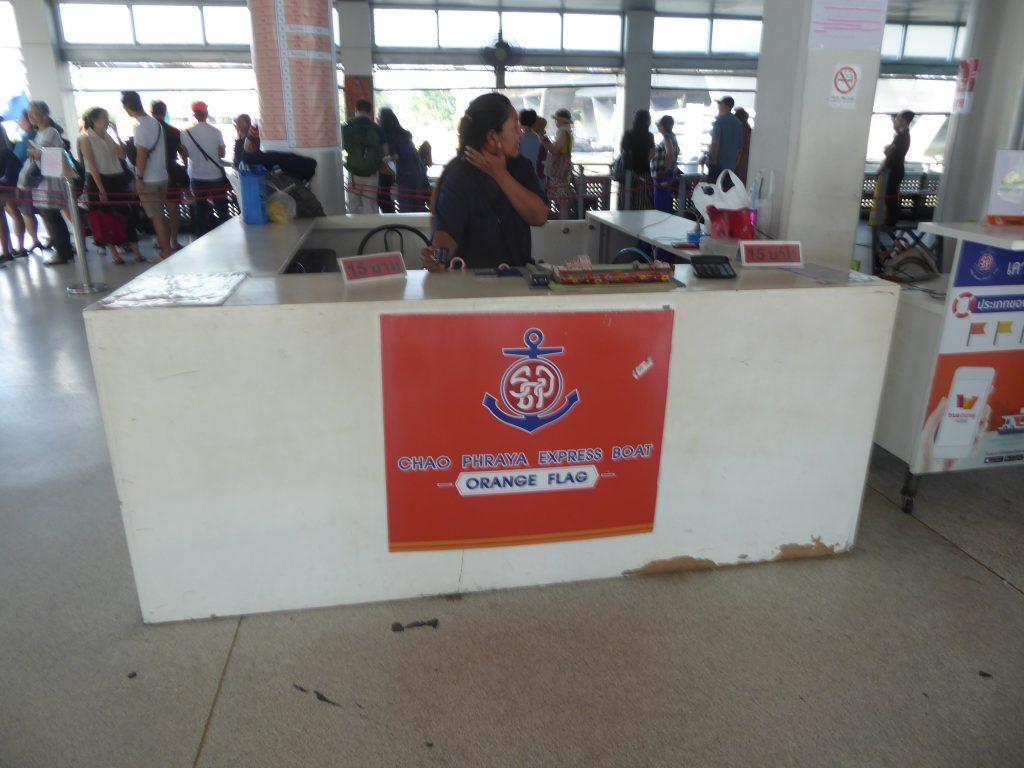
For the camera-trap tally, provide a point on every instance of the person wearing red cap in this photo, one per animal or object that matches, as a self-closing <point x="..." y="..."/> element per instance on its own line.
<point x="205" y="147"/>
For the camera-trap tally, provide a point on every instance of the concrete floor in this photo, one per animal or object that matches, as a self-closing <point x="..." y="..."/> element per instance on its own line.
<point x="907" y="652"/>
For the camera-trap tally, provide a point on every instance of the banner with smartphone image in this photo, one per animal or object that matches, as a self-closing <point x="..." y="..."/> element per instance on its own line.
<point x="975" y="412"/>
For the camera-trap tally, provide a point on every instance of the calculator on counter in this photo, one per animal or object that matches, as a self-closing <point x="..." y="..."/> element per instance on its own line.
<point x="712" y="267"/>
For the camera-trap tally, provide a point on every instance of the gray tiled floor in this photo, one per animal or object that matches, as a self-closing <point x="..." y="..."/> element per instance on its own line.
<point x="868" y="659"/>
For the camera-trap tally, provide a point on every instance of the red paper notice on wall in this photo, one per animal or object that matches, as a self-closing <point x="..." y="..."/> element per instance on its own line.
<point x="505" y="429"/>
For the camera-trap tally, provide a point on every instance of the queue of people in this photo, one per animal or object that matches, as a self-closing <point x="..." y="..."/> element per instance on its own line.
<point x="154" y="171"/>
<point x="381" y="157"/>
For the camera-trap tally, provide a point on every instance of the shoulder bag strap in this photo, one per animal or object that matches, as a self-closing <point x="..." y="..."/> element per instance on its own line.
<point x="200" y="148"/>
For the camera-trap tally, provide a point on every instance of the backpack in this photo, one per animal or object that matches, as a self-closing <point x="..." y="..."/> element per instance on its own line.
<point x="362" y="148"/>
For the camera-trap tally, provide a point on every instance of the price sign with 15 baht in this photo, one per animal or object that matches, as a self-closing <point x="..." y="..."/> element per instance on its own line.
<point x="522" y="428"/>
<point x="371" y="266"/>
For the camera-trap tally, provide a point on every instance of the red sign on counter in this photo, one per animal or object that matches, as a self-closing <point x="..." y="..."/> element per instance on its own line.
<point x="505" y="429"/>
<point x="771" y="253"/>
<point x="371" y="266"/>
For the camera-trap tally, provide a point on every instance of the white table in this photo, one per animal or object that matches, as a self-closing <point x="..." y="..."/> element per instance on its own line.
<point x="656" y="228"/>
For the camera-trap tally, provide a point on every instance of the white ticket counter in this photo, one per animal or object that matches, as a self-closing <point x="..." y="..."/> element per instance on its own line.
<point x="720" y="423"/>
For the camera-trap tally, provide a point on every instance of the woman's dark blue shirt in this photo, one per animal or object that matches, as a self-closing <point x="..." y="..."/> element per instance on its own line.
<point x="483" y="222"/>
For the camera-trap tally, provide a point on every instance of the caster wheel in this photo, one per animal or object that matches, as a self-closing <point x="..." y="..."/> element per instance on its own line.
<point x="908" y="505"/>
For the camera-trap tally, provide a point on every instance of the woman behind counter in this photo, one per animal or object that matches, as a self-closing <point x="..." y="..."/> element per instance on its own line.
<point x="489" y="196"/>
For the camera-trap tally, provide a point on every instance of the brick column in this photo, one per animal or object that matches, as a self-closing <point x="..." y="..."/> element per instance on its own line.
<point x="296" y="76"/>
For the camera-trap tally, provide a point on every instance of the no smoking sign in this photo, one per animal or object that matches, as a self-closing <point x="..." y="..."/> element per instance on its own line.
<point x="843" y="93"/>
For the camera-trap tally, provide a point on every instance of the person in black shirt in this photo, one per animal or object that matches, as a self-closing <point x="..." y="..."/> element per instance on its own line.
<point x="891" y="173"/>
<point x="247" y="141"/>
<point x="488" y="197"/>
<point x="637" y="152"/>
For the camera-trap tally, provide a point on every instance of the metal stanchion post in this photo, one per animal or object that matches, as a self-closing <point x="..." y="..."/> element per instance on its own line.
<point x="581" y="188"/>
<point x="84" y="284"/>
<point x="627" y="195"/>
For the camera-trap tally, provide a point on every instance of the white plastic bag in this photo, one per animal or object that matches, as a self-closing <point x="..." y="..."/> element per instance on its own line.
<point x="736" y="198"/>
<point x="706" y="194"/>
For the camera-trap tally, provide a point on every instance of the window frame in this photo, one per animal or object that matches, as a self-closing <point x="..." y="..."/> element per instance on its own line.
<point x="707" y="52"/>
<point x="436" y="7"/>
<point x="130" y="5"/>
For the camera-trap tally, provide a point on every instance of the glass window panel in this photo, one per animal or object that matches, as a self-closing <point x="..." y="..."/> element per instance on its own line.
<point x="591" y="32"/>
<point x="337" y="26"/>
<point x="95" y="23"/>
<point x="8" y="29"/>
<point x="928" y="41"/>
<point x="927" y="145"/>
<point x="404" y="28"/>
<point x="892" y="39"/>
<point x="467" y="29"/>
<point x="675" y="35"/>
<point x="919" y="94"/>
<point x="961" y="39"/>
<point x="168" y="24"/>
<point x="227" y="25"/>
<point x="536" y="31"/>
<point x="736" y="36"/>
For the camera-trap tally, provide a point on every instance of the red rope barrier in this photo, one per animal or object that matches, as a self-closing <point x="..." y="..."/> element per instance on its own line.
<point x="47" y="198"/>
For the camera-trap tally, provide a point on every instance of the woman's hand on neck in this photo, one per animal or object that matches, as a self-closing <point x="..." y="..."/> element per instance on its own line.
<point x="487" y="160"/>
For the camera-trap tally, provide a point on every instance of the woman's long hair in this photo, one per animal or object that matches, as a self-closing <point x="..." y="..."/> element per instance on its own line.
<point x="389" y="122"/>
<point x="641" y="122"/>
<point x="484" y="114"/>
<point x="44" y="109"/>
<point x="94" y="114"/>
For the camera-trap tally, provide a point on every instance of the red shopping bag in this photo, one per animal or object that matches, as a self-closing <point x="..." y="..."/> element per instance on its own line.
<point x="739" y="225"/>
<point x="107" y="228"/>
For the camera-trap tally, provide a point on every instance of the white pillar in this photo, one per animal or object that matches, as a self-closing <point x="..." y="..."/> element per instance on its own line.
<point x="638" y="61"/>
<point x="815" y="149"/>
<point x="356" y="54"/>
<point x="296" y="75"/>
<point x="996" y="116"/>
<point x="48" y="77"/>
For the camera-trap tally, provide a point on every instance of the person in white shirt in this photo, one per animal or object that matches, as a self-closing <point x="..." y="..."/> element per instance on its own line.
<point x="205" y="147"/>
<point x="150" y="167"/>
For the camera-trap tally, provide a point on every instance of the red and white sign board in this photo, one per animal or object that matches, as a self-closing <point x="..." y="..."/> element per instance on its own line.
<point x="371" y="266"/>
<point x="845" y="85"/>
<point x="966" y="78"/>
<point x="771" y="253"/>
<point x="526" y="428"/>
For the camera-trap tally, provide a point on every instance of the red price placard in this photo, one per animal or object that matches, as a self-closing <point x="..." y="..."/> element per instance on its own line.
<point x="771" y="253"/>
<point x="372" y="266"/>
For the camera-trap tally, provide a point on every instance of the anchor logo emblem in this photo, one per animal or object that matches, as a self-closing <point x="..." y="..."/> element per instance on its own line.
<point x="532" y="387"/>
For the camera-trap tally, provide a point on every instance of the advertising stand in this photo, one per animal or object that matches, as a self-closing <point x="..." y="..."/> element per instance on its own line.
<point x="969" y="412"/>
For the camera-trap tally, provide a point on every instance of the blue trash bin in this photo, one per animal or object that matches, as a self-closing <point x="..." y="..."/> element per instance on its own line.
<point x="254" y="194"/>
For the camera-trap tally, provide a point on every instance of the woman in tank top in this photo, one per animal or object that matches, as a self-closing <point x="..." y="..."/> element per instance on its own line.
<point x="106" y="184"/>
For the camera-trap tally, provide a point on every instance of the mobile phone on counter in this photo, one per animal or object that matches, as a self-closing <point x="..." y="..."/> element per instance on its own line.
<point x="443" y="256"/>
<point x="965" y="412"/>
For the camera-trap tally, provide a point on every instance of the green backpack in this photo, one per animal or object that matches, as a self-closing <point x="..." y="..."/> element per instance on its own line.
<point x="363" y="151"/>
